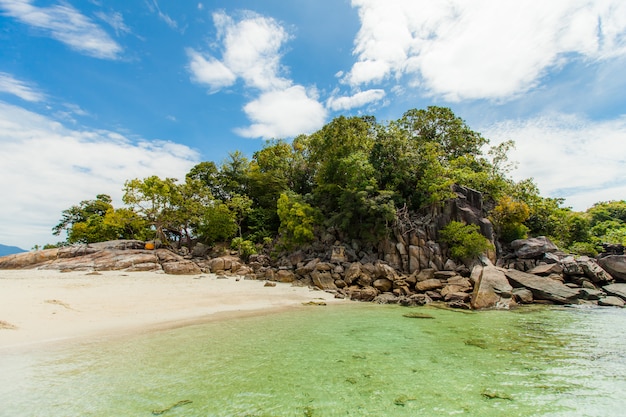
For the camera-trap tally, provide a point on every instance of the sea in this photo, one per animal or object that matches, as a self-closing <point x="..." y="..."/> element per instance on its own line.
<point x="358" y="359"/>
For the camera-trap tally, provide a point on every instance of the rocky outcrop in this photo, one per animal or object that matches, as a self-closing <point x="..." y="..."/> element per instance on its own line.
<point x="103" y="256"/>
<point x="543" y="288"/>
<point x="615" y="265"/>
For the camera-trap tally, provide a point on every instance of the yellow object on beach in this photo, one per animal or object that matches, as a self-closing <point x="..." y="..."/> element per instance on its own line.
<point x="149" y="246"/>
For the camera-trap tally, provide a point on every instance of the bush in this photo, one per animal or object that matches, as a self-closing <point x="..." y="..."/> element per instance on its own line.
<point x="244" y="247"/>
<point x="584" y="248"/>
<point x="464" y="240"/>
<point x="508" y="216"/>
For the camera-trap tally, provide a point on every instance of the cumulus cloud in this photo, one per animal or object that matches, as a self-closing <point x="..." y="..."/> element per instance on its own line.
<point x="568" y="156"/>
<point x="251" y="52"/>
<point x="210" y="71"/>
<point x="46" y="167"/>
<point x="65" y="24"/>
<point x="481" y="49"/>
<point x="21" y="89"/>
<point x="356" y="100"/>
<point x="283" y="113"/>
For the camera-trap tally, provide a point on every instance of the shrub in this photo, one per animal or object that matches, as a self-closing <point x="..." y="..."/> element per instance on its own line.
<point x="583" y="248"/>
<point x="244" y="247"/>
<point x="464" y="240"/>
<point x="508" y="216"/>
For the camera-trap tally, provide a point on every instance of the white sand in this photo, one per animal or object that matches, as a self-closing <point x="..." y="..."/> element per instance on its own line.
<point x="44" y="306"/>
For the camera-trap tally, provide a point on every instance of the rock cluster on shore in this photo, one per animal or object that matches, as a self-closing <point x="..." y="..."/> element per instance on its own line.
<point x="408" y="268"/>
<point x="535" y="273"/>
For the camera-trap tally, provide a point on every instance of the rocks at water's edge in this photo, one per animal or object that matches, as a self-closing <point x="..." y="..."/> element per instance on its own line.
<point x="408" y="268"/>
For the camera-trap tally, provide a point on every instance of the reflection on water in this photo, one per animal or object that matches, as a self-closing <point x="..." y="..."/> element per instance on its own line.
<point x="356" y="360"/>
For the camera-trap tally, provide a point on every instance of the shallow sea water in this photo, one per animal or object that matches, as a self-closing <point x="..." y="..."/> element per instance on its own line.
<point x="355" y="360"/>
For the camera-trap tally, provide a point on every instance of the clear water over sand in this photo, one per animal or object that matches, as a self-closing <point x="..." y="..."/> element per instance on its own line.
<point x="354" y="360"/>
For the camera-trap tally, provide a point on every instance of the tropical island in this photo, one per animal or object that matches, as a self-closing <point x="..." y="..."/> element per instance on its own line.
<point x="411" y="211"/>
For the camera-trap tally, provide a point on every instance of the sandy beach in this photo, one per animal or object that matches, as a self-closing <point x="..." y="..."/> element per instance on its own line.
<point x="38" y="306"/>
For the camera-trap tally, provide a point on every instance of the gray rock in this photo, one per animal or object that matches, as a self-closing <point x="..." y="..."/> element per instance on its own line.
<point x="618" y="290"/>
<point x="591" y="294"/>
<point x="543" y="288"/>
<point x="614" y="265"/>
<point x="386" y="298"/>
<point x="533" y="248"/>
<point x="546" y="269"/>
<point x="611" y="301"/>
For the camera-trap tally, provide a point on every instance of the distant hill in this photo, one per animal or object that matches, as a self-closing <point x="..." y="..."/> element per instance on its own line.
<point x="9" y="250"/>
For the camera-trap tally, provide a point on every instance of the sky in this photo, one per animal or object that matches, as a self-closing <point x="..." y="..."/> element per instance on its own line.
<point x="94" y="92"/>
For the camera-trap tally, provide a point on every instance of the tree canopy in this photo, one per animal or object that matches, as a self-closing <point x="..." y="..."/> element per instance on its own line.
<point x="352" y="175"/>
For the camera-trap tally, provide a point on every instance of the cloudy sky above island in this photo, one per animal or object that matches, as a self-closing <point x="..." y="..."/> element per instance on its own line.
<point x="93" y="93"/>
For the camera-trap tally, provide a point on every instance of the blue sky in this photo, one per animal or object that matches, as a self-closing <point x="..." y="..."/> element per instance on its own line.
<point x="93" y="93"/>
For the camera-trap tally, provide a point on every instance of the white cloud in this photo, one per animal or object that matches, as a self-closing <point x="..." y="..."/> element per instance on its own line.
<point x="115" y="20"/>
<point x="481" y="49"/>
<point x="11" y="85"/>
<point x="283" y="113"/>
<point x="164" y="17"/>
<point x="208" y="70"/>
<point x="46" y="167"/>
<point x="65" y="24"/>
<point x="251" y="51"/>
<point x="568" y="156"/>
<point x="356" y="100"/>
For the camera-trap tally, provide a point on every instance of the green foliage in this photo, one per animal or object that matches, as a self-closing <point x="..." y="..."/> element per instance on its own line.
<point x="245" y="248"/>
<point x="217" y="224"/>
<point x="508" y="217"/>
<point x="365" y="214"/>
<point x="297" y="220"/>
<point x="464" y="240"/>
<point x="608" y="210"/>
<point x="97" y="220"/>
<point x="352" y="175"/>
<point x="583" y="248"/>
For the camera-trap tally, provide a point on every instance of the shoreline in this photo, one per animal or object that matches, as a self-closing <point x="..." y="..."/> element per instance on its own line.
<point x="41" y="307"/>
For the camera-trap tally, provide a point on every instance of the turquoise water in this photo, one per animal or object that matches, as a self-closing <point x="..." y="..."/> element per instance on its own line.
<point x="356" y="360"/>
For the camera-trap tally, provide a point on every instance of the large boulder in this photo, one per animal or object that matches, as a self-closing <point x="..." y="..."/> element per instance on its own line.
<point x="492" y="289"/>
<point x="533" y="248"/>
<point x="543" y="288"/>
<point x="614" y="265"/>
<point x="363" y="294"/>
<point x="26" y="260"/>
<point x="323" y="280"/>
<point x="611" y="301"/>
<point x="618" y="290"/>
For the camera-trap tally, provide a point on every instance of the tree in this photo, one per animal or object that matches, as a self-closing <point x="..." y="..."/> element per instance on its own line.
<point x="508" y="216"/>
<point x="97" y="221"/>
<point x="298" y="219"/>
<point x="441" y="126"/>
<point x="464" y="240"/>
<point x="217" y="224"/>
<point x="82" y="212"/>
<point x="156" y="200"/>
